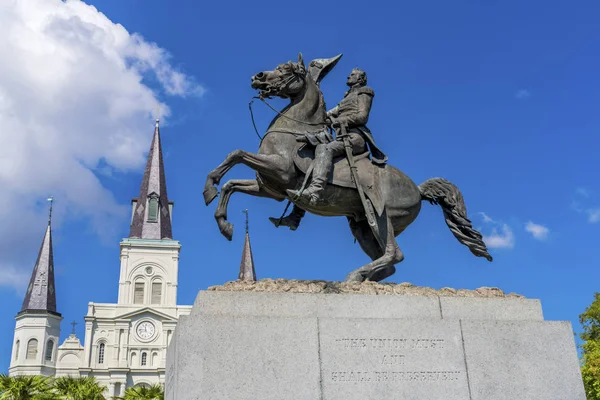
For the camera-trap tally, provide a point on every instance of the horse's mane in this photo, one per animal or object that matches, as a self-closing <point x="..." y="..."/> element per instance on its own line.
<point x="296" y="68"/>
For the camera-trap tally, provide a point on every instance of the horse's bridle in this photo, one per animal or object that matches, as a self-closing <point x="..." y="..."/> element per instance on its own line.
<point x="283" y="83"/>
<point x="280" y="85"/>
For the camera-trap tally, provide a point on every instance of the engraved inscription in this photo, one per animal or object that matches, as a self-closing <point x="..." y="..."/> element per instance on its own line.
<point x="393" y="359"/>
<point x="394" y="376"/>
<point x="390" y="343"/>
<point x="396" y="360"/>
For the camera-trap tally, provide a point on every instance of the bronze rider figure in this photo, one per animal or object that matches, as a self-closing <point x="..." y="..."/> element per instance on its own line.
<point x="353" y="112"/>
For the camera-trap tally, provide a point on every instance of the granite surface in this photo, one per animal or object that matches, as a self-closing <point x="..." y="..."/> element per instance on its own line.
<point x="249" y="345"/>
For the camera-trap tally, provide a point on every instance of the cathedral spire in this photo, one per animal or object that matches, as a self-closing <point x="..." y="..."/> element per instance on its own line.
<point x="41" y="295"/>
<point x="151" y="210"/>
<point x="247" y="272"/>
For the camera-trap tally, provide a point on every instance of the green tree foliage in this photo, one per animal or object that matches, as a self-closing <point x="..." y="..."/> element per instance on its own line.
<point x="78" y="388"/>
<point x="590" y="362"/>
<point x="28" y="387"/>
<point x="154" y="392"/>
<point x="35" y="387"/>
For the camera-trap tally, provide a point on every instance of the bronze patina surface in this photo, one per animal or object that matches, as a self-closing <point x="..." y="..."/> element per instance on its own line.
<point x="386" y="204"/>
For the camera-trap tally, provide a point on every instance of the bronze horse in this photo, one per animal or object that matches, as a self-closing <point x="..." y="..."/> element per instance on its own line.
<point x="276" y="172"/>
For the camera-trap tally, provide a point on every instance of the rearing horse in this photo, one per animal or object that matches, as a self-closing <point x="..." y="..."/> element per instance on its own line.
<point x="276" y="172"/>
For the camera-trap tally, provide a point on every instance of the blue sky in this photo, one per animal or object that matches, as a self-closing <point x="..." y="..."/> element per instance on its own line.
<point x="500" y="98"/>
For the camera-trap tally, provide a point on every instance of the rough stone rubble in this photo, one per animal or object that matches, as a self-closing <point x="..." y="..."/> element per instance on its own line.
<point x="400" y="289"/>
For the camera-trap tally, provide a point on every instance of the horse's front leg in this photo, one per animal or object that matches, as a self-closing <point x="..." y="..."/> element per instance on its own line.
<point x="264" y="164"/>
<point x="247" y="186"/>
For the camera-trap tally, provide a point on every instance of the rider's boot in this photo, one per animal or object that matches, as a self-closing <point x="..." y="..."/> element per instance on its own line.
<point x="292" y="220"/>
<point x="312" y="194"/>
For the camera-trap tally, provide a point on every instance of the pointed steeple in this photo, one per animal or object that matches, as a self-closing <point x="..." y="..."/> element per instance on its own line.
<point x="247" y="272"/>
<point x="41" y="294"/>
<point x="151" y="210"/>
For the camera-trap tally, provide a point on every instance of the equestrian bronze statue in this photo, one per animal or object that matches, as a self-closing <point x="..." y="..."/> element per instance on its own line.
<point x="378" y="200"/>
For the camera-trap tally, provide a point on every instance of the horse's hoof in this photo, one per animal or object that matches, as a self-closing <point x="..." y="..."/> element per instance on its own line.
<point x="354" y="276"/>
<point x="227" y="230"/>
<point x="210" y="193"/>
<point x="381" y="273"/>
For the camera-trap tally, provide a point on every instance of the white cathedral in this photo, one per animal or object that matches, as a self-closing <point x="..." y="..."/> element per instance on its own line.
<point x="125" y="344"/>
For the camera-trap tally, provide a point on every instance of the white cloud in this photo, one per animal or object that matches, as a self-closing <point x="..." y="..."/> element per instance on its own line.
<point x="539" y="232"/>
<point x="505" y="239"/>
<point x="486" y="218"/>
<point x="593" y="215"/>
<point x="13" y="277"/>
<point x="522" y="94"/>
<point x="501" y="235"/>
<point x="72" y="99"/>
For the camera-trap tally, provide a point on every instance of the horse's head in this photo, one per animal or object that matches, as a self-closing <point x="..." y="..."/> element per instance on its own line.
<point x="287" y="80"/>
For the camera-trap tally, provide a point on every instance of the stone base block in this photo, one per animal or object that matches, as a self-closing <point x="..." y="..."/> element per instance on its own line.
<point x="288" y="346"/>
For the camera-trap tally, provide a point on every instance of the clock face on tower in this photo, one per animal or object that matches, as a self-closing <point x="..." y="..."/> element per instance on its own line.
<point x="145" y="330"/>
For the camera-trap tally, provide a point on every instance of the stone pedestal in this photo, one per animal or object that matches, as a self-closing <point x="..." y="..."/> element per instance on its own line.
<point x="313" y="346"/>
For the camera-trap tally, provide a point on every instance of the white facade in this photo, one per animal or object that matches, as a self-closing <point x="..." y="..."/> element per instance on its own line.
<point x="125" y="344"/>
<point x="35" y="344"/>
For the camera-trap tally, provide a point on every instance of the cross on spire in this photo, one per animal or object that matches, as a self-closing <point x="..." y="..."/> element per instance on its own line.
<point x="41" y="282"/>
<point x="73" y="323"/>
<point x="51" y="200"/>
<point x="247" y="225"/>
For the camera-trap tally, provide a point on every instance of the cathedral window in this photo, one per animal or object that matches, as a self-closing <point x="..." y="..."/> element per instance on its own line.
<point x="32" y="346"/>
<point x="49" y="350"/>
<point x="153" y="208"/>
<point x="144" y="359"/>
<point x="138" y="295"/>
<point x="101" y="354"/>
<point x="17" y="345"/>
<point x="156" y="292"/>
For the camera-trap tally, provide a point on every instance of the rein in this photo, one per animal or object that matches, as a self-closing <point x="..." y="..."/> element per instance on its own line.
<point x="261" y="98"/>
<point x="252" y="117"/>
<point x="280" y="114"/>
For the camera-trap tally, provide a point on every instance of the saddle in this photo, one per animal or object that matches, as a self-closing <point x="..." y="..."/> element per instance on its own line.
<point x="340" y="174"/>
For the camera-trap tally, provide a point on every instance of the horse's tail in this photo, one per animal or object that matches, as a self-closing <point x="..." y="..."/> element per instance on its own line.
<point x="446" y="194"/>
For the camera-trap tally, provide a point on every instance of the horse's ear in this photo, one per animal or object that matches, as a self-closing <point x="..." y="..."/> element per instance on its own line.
<point x="300" y="59"/>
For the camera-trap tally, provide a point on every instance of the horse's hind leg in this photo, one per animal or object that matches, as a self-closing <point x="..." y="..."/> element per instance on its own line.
<point x="383" y="262"/>
<point x="246" y="186"/>
<point x="365" y="238"/>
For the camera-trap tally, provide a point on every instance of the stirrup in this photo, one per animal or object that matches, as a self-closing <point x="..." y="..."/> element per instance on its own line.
<point x="309" y="197"/>
<point x="296" y="195"/>
<point x="286" y="221"/>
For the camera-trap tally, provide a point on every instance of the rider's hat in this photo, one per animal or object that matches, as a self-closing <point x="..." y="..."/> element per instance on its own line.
<point x="320" y="67"/>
